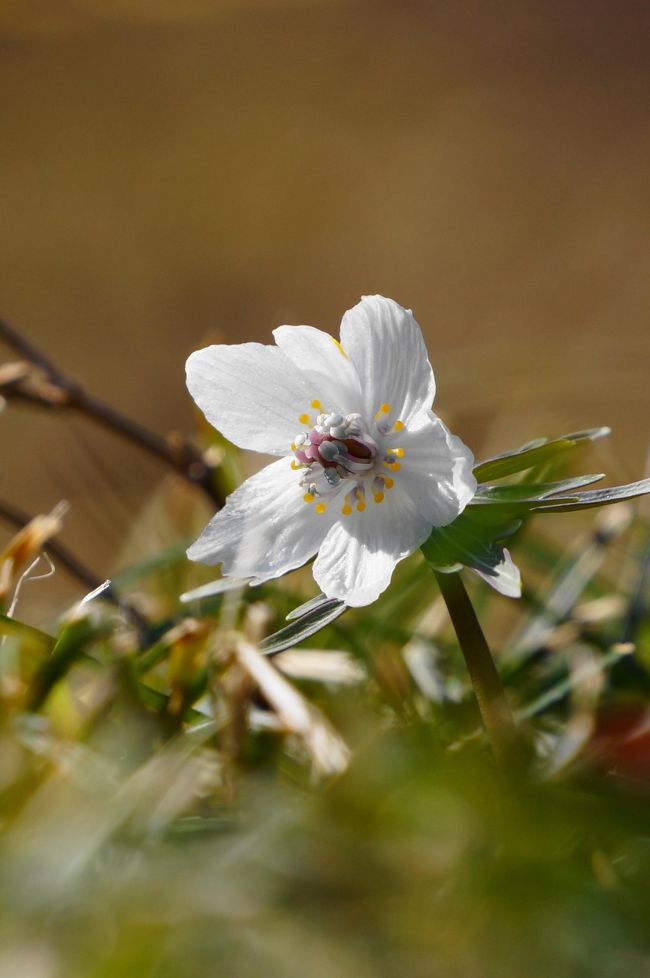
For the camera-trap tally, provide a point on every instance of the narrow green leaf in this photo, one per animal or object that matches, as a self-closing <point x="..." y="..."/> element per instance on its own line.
<point x="529" y="492"/>
<point x="303" y="627"/>
<point x="70" y="646"/>
<point x="595" y="497"/>
<point x="32" y="637"/>
<point x="534" y="453"/>
<point x="312" y="605"/>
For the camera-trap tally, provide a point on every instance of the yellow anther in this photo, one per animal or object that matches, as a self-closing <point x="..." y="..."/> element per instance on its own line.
<point x="304" y="419"/>
<point x="317" y="406"/>
<point x="360" y="506"/>
<point x="379" y="497"/>
<point x="347" y="510"/>
<point x="293" y="446"/>
<point x="296" y="465"/>
<point x="320" y="509"/>
<point x="399" y="452"/>
<point x="385" y="409"/>
<point x="395" y="466"/>
<point x="388" y="483"/>
<point x="308" y="497"/>
<point x="398" y="426"/>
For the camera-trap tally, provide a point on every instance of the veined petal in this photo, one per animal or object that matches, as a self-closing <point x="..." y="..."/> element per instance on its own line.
<point x="250" y="392"/>
<point x="385" y="344"/>
<point x="436" y="471"/>
<point x="505" y="576"/>
<point x="265" y="529"/>
<point x="356" y="560"/>
<point x="326" y="367"/>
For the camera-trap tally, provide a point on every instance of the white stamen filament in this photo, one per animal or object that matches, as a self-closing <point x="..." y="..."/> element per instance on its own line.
<point x="340" y="449"/>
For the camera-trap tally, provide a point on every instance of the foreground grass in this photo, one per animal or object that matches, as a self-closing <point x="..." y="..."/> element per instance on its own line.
<point x="168" y="811"/>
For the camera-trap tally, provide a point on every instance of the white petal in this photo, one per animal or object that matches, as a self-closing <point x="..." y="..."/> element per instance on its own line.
<point x="327" y="369"/>
<point x="357" y="558"/>
<point x="265" y="529"/>
<point x="436" y="470"/>
<point x="385" y="344"/>
<point x="251" y="393"/>
<point x="505" y="576"/>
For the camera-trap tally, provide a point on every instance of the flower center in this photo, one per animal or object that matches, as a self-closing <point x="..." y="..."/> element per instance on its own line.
<point x="344" y="455"/>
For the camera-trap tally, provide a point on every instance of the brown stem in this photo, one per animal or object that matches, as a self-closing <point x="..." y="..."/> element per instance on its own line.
<point x="71" y="563"/>
<point x="174" y="451"/>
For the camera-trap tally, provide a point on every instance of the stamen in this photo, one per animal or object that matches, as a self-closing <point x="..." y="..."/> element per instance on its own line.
<point x="320" y="509"/>
<point x="330" y="451"/>
<point x="377" y="489"/>
<point x="398" y="426"/>
<point x="317" y="406"/>
<point x="304" y="419"/>
<point x="388" y="483"/>
<point x="332" y="476"/>
<point x="347" y="510"/>
<point x="384" y="409"/>
<point x="308" y="498"/>
<point x="360" y="495"/>
<point x="398" y="452"/>
<point x="339" y="348"/>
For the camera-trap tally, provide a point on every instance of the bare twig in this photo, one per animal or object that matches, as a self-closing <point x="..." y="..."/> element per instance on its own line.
<point x="40" y="382"/>
<point x="64" y="557"/>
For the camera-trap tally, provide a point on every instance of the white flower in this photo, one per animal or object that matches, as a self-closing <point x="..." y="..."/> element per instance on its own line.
<point x="366" y="468"/>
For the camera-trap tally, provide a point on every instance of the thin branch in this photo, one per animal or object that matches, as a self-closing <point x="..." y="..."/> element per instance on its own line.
<point x="65" y="558"/>
<point x="49" y="387"/>
<point x="71" y="563"/>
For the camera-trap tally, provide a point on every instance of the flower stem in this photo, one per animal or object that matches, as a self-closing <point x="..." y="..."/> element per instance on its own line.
<point x="493" y="705"/>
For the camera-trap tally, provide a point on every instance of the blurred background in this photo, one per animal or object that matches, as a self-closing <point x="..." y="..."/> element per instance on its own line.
<point x="179" y="171"/>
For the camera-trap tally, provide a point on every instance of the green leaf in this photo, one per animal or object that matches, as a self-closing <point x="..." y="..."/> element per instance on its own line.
<point x="70" y="646"/>
<point x="595" y="497"/>
<point x="474" y="540"/>
<point x="538" y="452"/>
<point x="318" y="616"/>
<point x="529" y="492"/>
<point x="312" y="605"/>
<point x="32" y="637"/>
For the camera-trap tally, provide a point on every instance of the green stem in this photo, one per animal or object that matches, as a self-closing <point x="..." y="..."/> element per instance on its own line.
<point x="492" y="702"/>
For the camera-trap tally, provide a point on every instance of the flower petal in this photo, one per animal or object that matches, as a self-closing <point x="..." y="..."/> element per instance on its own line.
<point x="265" y="529"/>
<point x="504" y="576"/>
<point x="436" y="471"/>
<point x="356" y="560"/>
<point x="325" y="366"/>
<point x="385" y="343"/>
<point x="251" y="393"/>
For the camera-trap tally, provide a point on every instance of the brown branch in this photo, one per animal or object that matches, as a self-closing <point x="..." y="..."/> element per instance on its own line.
<point x="16" y="517"/>
<point x="40" y="382"/>
<point x="71" y="563"/>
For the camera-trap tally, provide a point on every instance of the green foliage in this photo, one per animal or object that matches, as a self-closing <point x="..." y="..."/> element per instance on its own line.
<point x="173" y="802"/>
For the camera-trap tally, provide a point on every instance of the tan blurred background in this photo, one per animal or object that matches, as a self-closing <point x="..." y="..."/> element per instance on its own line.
<point x="175" y="170"/>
